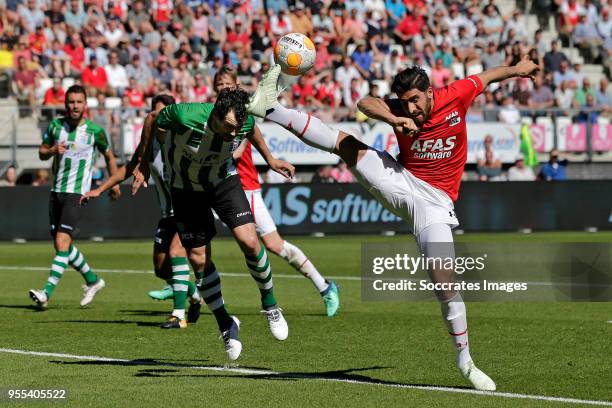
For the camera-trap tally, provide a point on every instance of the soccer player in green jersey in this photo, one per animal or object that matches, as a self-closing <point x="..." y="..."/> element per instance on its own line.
<point x="200" y="139"/>
<point x="226" y="77"/>
<point x="72" y="141"/>
<point x="167" y="243"/>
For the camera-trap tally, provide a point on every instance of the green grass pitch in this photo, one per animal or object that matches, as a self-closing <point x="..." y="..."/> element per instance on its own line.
<point x="541" y="349"/>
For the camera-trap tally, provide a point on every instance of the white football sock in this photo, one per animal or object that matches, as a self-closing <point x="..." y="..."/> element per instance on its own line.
<point x="308" y="128"/>
<point x="180" y="313"/>
<point x="301" y="263"/>
<point x="454" y="315"/>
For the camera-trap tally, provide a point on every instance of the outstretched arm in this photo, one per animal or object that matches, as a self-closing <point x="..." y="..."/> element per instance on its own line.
<point x="378" y="109"/>
<point x="524" y="69"/>
<point x="279" y="166"/>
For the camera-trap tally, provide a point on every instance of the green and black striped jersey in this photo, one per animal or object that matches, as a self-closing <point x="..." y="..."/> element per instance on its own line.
<point x="197" y="157"/>
<point x="72" y="170"/>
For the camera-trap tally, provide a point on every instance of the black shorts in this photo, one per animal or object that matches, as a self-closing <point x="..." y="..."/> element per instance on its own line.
<point x="166" y="228"/>
<point x="193" y="211"/>
<point x="64" y="213"/>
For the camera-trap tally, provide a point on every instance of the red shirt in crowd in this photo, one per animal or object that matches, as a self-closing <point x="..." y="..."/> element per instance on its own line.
<point x="96" y="77"/>
<point x="439" y="152"/>
<point x="38" y="43"/>
<point x="162" y="9"/>
<point x="53" y="97"/>
<point x="136" y="97"/>
<point x="200" y="93"/>
<point x="77" y="55"/>
<point x="410" y="25"/>
<point x="301" y="92"/>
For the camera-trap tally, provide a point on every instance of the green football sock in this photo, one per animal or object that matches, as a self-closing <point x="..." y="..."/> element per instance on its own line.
<point x="180" y="285"/>
<point x="78" y="262"/>
<point x="60" y="262"/>
<point x="259" y="267"/>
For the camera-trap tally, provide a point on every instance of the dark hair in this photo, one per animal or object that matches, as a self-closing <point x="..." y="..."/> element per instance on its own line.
<point x="76" y="89"/>
<point x="410" y="78"/>
<point x="235" y="99"/>
<point x="226" y="70"/>
<point x="163" y="98"/>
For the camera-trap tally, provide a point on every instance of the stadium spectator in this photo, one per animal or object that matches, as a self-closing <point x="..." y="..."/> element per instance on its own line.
<point x="41" y="178"/>
<point x="75" y="50"/>
<point x="323" y="175"/>
<point x="137" y="16"/>
<point x="163" y="73"/>
<point x="116" y="74"/>
<point x="95" y="79"/>
<point x="588" y="39"/>
<point x="341" y="173"/>
<point x="300" y="21"/>
<point x="493" y="23"/>
<point x="508" y="112"/>
<point x="565" y="73"/>
<point x="440" y="75"/>
<point x="492" y="57"/>
<point x="75" y="16"/>
<point x="489" y="170"/>
<point x="570" y="12"/>
<point x="10" y="177"/>
<point x="541" y="96"/>
<point x="580" y="96"/>
<point x="564" y="94"/>
<point x="487" y="146"/>
<point x="58" y="61"/>
<point x="362" y="58"/>
<point x="604" y="24"/>
<point x="345" y="74"/>
<point x="520" y="172"/>
<point x="26" y="81"/>
<point x="200" y="91"/>
<point x="554" y="169"/>
<point x="113" y="32"/>
<point x="134" y="94"/>
<point x="604" y="96"/>
<point x="554" y="58"/>
<point x="141" y="72"/>
<point x="55" y="95"/>
<point x="31" y="16"/>
<point x="589" y="114"/>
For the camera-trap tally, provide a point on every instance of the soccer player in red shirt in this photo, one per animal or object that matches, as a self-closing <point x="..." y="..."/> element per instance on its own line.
<point x="422" y="184"/>
<point x="264" y="224"/>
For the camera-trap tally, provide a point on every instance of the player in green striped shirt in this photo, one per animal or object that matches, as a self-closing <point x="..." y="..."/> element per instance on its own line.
<point x="72" y="141"/>
<point x="200" y="139"/>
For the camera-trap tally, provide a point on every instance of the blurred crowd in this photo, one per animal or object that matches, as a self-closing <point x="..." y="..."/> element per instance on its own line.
<point x="125" y="51"/>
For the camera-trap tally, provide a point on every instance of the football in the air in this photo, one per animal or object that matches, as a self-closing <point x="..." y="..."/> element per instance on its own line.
<point x="295" y="53"/>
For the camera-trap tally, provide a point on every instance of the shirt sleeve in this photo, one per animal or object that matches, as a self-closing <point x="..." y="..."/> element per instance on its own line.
<point x="101" y="140"/>
<point x="466" y="90"/>
<point x="47" y="137"/>
<point x="167" y="116"/>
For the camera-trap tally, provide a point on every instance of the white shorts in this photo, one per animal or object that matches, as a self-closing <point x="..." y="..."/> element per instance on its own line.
<point x="264" y="224"/>
<point x="414" y="200"/>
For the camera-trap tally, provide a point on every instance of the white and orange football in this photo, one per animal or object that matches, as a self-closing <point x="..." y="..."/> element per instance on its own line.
<point x="295" y="53"/>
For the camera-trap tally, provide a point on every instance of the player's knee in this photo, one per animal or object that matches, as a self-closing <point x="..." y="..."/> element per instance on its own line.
<point x="197" y="260"/>
<point x="275" y="247"/>
<point x="250" y="245"/>
<point x="62" y="242"/>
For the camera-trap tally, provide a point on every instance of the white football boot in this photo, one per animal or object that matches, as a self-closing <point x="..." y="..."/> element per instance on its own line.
<point x="91" y="290"/>
<point x="476" y="377"/>
<point x="278" y="324"/>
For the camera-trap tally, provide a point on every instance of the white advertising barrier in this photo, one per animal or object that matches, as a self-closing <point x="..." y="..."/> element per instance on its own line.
<point x="284" y="144"/>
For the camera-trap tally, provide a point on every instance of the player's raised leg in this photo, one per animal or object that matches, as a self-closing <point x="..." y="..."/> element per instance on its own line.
<point x="436" y="242"/>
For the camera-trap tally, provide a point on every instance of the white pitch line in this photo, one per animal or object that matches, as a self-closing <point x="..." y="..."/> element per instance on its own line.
<point x="144" y="271"/>
<point x="314" y="376"/>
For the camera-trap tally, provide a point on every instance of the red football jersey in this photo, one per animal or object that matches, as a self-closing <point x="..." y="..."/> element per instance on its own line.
<point x="247" y="171"/>
<point x="438" y="155"/>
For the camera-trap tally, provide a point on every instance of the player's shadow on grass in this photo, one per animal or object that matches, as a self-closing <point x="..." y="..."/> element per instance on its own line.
<point x="160" y="362"/>
<point x="347" y="375"/>
<point x="137" y="323"/>
<point x="139" y="312"/>
<point x="33" y="308"/>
